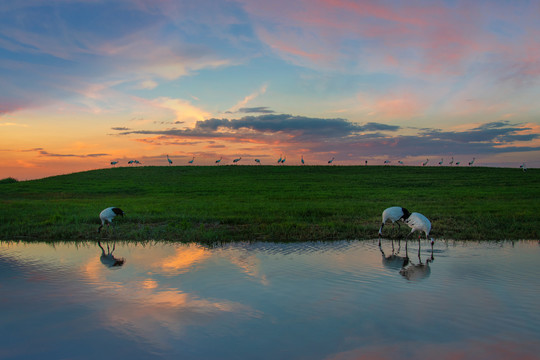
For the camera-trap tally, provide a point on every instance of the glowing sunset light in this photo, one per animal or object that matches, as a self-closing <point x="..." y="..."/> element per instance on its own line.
<point x="87" y="83"/>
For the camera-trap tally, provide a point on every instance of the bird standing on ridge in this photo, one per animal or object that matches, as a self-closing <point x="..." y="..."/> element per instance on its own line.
<point x="451" y="161"/>
<point x="258" y="161"/>
<point x="107" y="216"/>
<point x="523" y="167"/>
<point x="401" y="162"/>
<point x="218" y="161"/>
<point x="425" y="162"/>
<point x="302" y="160"/>
<point x="331" y="160"/>
<point x="393" y="214"/>
<point x="472" y="161"/>
<point x="130" y="162"/>
<point x="113" y="163"/>
<point x="441" y="162"/>
<point x="458" y="162"/>
<point x="169" y="160"/>
<point x="386" y="162"/>
<point x="235" y="161"/>
<point x="280" y="158"/>
<point x="283" y="160"/>
<point x="191" y="161"/>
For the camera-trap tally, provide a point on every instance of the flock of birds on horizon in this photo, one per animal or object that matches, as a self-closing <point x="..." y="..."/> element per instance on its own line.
<point x="282" y="160"/>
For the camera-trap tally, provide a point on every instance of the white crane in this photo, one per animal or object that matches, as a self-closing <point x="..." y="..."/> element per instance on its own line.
<point x="418" y="222"/>
<point x="258" y="161"/>
<point x="458" y="162"/>
<point x="130" y="162"/>
<point x="441" y="162"/>
<point x="425" y="162"/>
<point x="401" y="162"/>
<point x="280" y="158"/>
<point x="235" y="161"/>
<point x="451" y="161"/>
<point x="386" y="162"/>
<point x="218" y="161"/>
<point x="394" y="214"/>
<point x="472" y="161"/>
<point x="283" y="160"/>
<point x="523" y="167"/>
<point x="107" y="216"/>
<point x="137" y="162"/>
<point x="331" y="160"/>
<point x="191" y="161"/>
<point x="113" y="163"/>
<point x="302" y="160"/>
<point x="169" y="160"/>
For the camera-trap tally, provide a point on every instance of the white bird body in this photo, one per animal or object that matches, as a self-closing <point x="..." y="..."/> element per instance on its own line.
<point x="107" y="216"/>
<point x="418" y="222"/>
<point x="393" y="214"/>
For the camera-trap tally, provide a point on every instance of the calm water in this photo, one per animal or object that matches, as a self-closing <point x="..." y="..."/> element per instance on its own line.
<point x="327" y="300"/>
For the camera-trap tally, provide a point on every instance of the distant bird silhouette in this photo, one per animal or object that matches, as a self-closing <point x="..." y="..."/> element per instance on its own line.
<point x="386" y="162"/>
<point x="218" y="161"/>
<point x="400" y="162"/>
<point x="169" y="160"/>
<point x="451" y="161"/>
<point x="394" y="214"/>
<point x="472" y="161"/>
<point x="113" y="163"/>
<point x="280" y="158"/>
<point x="425" y="162"/>
<point x="458" y="162"/>
<point x="107" y="216"/>
<point x="331" y="160"/>
<point x="441" y="162"/>
<point x="365" y="163"/>
<point x="302" y="160"/>
<point x="136" y="162"/>
<point x="523" y="167"/>
<point x="130" y="162"/>
<point x="235" y="161"/>
<point x="258" y="161"/>
<point x="283" y="160"/>
<point x="191" y="161"/>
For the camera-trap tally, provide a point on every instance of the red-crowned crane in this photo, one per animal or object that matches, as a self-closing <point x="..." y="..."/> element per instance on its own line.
<point x="331" y="160"/>
<point x="401" y="162"/>
<point x="523" y="167"/>
<point x="258" y="161"/>
<point x="108" y="215"/>
<point x="425" y="162"/>
<point x="386" y="162"/>
<point x="418" y="222"/>
<point x="302" y="160"/>
<point x="169" y="160"/>
<point x="283" y="160"/>
<point x="191" y="161"/>
<point x="280" y="158"/>
<point x="218" y="161"/>
<point x="441" y="162"/>
<point x="235" y="161"/>
<point x="458" y="162"/>
<point x="113" y="163"/>
<point x="394" y="214"/>
<point x="451" y="161"/>
<point x="472" y="161"/>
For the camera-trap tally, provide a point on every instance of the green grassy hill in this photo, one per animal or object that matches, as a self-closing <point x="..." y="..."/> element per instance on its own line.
<point x="221" y="203"/>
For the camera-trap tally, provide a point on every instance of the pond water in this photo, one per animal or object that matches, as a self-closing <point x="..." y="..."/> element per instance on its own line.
<point x="309" y="300"/>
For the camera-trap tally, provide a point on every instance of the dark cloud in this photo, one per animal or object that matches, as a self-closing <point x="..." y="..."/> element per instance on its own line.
<point x="48" y="154"/>
<point x="260" y="110"/>
<point x="120" y="128"/>
<point x="494" y="132"/>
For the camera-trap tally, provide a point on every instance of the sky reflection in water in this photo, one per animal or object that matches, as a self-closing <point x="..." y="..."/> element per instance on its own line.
<point x="317" y="300"/>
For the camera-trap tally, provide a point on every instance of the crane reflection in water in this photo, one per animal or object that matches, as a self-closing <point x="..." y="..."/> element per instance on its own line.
<point x="407" y="268"/>
<point x="108" y="259"/>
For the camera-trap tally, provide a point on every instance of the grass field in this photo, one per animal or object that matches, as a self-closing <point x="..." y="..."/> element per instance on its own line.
<point x="277" y="203"/>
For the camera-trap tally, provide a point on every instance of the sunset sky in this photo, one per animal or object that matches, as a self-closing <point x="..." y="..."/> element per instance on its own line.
<point x="87" y="82"/>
